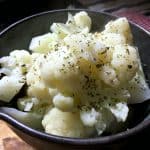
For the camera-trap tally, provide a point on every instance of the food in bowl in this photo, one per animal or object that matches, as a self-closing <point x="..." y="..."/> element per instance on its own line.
<point x="78" y="81"/>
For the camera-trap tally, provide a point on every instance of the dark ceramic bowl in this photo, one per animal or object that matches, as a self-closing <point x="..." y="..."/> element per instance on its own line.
<point x="19" y="35"/>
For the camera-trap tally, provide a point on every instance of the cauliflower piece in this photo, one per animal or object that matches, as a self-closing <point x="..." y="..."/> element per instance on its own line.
<point x="56" y="74"/>
<point x="83" y="20"/>
<point x="11" y="76"/>
<point x="36" y="87"/>
<point x="39" y="90"/>
<point x="70" y="71"/>
<point x="112" y="39"/>
<point x="10" y="86"/>
<point x="17" y="58"/>
<point x="109" y="76"/>
<point x="27" y="103"/>
<point x="120" y="26"/>
<point x="125" y="62"/>
<point x="22" y="59"/>
<point x="53" y="92"/>
<point x="66" y="124"/>
<point x="89" y="118"/>
<point x="63" y="103"/>
<point x="79" y="42"/>
<point x="21" y="56"/>
<point x="120" y="111"/>
<point x="7" y="62"/>
<point x="61" y="29"/>
<point x="44" y="43"/>
<point x="138" y="88"/>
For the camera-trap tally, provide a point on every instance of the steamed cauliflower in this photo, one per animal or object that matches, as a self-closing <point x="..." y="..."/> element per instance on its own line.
<point x="80" y="82"/>
<point x="12" y="73"/>
<point x="63" y="123"/>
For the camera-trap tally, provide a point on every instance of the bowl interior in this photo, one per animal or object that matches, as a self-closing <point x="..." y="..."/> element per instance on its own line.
<point x="19" y="35"/>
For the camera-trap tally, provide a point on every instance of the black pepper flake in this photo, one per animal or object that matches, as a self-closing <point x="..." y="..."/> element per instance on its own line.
<point x="21" y="81"/>
<point x="79" y="107"/>
<point x="68" y="46"/>
<point x="66" y="57"/>
<point x="94" y="59"/>
<point x="23" y="65"/>
<point x="127" y="50"/>
<point x="87" y="78"/>
<point x="2" y="75"/>
<point x="98" y="65"/>
<point x="108" y="73"/>
<point x="105" y="97"/>
<point x="104" y="51"/>
<point x="69" y="22"/>
<point x="129" y="66"/>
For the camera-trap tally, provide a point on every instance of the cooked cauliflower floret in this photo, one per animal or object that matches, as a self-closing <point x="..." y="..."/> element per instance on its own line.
<point x="83" y="20"/>
<point x="112" y="39"/>
<point x="21" y="56"/>
<point x="138" y="88"/>
<point x="39" y="90"/>
<point x="89" y="118"/>
<point x="120" y="26"/>
<point x="10" y="86"/>
<point x="63" y="102"/>
<point x="12" y="76"/>
<point x="44" y="43"/>
<point x="109" y="76"/>
<point x="120" y="111"/>
<point x="53" y="92"/>
<point x="63" y="123"/>
<point x="125" y="62"/>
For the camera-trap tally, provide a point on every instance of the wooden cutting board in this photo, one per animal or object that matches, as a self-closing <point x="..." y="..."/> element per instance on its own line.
<point x="10" y="141"/>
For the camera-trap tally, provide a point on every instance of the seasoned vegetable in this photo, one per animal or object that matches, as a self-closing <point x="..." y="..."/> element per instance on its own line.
<point x="78" y="81"/>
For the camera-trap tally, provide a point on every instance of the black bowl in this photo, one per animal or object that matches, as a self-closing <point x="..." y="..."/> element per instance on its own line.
<point x="19" y="35"/>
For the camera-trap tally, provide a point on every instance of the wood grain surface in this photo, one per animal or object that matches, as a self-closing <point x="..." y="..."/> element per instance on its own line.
<point x="10" y="141"/>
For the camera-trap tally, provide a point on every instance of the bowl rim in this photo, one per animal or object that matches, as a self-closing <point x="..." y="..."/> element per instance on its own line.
<point x="67" y="140"/>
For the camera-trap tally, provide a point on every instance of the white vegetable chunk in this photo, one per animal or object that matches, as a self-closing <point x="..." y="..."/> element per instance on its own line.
<point x="120" y="111"/>
<point x="21" y="56"/>
<point x="125" y="62"/>
<point x="120" y="26"/>
<point x="66" y="124"/>
<point x="139" y="89"/>
<point x="10" y="86"/>
<point x="43" y="43"/>
<point x="89" y="118"/>
<point x="83" y="20"/>
<point x="63" y="103"/>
